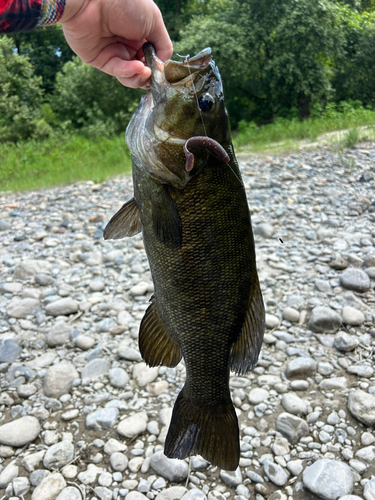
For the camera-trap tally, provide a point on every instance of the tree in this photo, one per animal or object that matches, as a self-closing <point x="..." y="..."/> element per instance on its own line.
<point x="21" y="96"/>
<point x="47" y="50"/>
<point x="91" y="101"/>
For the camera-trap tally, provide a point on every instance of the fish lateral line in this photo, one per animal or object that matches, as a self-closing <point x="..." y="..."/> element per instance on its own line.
<point x="204" y="142"/>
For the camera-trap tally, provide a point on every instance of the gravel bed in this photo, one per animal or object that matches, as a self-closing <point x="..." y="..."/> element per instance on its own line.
<point x="83" y="417"/>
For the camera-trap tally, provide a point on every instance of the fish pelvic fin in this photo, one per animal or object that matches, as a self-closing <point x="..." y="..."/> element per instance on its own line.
<point x="126" y="222"/>
<point x="245" y="351"/>
<point x="209" y="431"/>
<point x="156" y="344"/>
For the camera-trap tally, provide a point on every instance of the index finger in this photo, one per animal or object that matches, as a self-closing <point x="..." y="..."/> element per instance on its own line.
<point x="159" y="37"/>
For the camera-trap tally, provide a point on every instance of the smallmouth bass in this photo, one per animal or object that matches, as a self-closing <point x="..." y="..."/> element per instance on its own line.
<point x="190" y="203"/>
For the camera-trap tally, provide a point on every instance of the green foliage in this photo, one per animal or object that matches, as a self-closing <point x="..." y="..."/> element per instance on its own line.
<point x="350" y="138"/>
<point x="61" y="159"/>
<point x="21" y="97"/>
<point x="334" y="117"/>
<point x="47" y="50"/>
<point x="93" y="102"/>
<point x="274" y="56"/>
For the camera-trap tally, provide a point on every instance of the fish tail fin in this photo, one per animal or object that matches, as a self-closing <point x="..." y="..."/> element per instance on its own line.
<point x="209" y="431"/>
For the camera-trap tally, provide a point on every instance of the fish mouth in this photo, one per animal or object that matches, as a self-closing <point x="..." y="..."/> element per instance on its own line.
<point x="174" y="72"/>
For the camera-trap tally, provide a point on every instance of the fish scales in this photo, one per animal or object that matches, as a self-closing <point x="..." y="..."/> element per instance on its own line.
<point x="207" y="306"/>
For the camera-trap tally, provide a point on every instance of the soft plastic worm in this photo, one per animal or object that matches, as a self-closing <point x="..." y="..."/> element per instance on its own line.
<point x="204" y="142"/>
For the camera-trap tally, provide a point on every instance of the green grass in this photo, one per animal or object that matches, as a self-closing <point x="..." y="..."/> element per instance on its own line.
<point x="61" y="160"/>
<point x="283" y="132"/>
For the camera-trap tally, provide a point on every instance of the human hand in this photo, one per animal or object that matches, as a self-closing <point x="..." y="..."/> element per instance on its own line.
<point x="109" y="34"/>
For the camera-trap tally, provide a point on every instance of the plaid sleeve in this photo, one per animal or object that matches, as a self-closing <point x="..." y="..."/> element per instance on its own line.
<point x="19" y="15"/>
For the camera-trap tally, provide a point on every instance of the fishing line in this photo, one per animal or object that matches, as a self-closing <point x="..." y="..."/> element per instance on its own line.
<point x="186" y="61"/>
<point x="195" y="93"/>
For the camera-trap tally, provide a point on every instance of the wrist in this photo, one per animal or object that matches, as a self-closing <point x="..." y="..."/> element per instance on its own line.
<point x="51" y="12"/>
<point x="72" y="8"/>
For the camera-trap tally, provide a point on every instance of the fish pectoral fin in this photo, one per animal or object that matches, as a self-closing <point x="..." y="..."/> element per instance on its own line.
<point x="156" y="344"/>
<point x="126" y="222"/>
<point x="245" y="350"/>
<point x="166" y="221"/>
<point x="211" y="432"/>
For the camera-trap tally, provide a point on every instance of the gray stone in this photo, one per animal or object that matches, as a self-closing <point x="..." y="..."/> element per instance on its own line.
<point x="301" y="367"/>
<point x="143" y="374"/>
<point x="171" y="469"/>
<point x="59" y="455"/>
<point x="352" y="316"/>
<point x="8" y="474"/>
<point x="328" y="479"/>
<point x="84" y="342"/>
<point x="4" y="225"/>
<point x="62" y="307"/>
<point x="59" y="378"/>
<point x="135" y="495"/>
<point x="198" y="463"/>
<point x="355" y="279"/>
<point x="20" y="308"/>
<point x="43" y="279"/>
<point x="26" y="390"/>
<point x="118" y="378"/>
<point x="272" y="321"/>
<point x="31" y="462"/>
<point x="275" y="473"/>
<point x="264" y="230"/>
<point x="21" y="486"/>
<point x="345" y="342"/>
<point x="328" y="384"/>
<point x="295" y="467"/>
<point x="231" y="478"/>
<point x="294" y="404"/>
<point x="258" y="395"/>
<point x="367" y="453"/>
<point x="59" y="334"/>
<point x="118" y="461"/>
<point x="70" y="493"/>
<point x="325" y="368"/>
<point x="128" y="353"/>
<point x="102" y="419"/>
<point x="133" y="426"/>
<point x="49" y="488"/>
<point x="113" y="445"/>
<point x="371" y="272"/>
<point x="9" y="351"/>
<point x="324" y="320"/>
<point x="291" y="314"/>
<point x="280" y="447"/>
<point x="105" y="325"/>
<point x="37" y="476"/>
<point x="20" y="432"/>
<point x="172" y="493"/>
<point x="95" y="368"/>
<point x="369" y="490"/>
<point x="323" y="286"/>
<point x="104" y="493"/>
<point x="362" y="406"/>
<point x="90" y="474"/>
<point x="365" y="371"/>
<point x="31" y="267"/>
<point x="292" y="427"/>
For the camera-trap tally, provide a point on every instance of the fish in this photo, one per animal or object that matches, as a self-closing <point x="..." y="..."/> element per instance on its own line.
<point x="190" y="204"/>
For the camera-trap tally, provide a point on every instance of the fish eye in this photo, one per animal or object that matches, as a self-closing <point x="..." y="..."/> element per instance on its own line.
<point x="206" y="102"/>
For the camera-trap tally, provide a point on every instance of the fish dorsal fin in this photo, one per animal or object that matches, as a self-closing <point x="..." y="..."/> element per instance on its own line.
<point x="245" y="350"/>
<point x="126" y="222"/>
<point x="166" y="221"/>
<point x="156" y="344"/>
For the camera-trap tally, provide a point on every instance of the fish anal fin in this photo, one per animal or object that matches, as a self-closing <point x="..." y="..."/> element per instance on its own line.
<point x="209" y="431"/>
<point x="245" y="350"/>
<point x="166" y="221"/>
<point x="126" y="222"/>
<point x="156" y="344"/>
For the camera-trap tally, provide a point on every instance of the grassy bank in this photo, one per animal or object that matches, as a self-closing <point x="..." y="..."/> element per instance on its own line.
<point x="61" y="160"/>
<point x="66" y="159"/>
<point x="284" y="132"/>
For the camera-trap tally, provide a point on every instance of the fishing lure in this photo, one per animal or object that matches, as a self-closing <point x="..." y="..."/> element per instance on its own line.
<point x="204" y="142"/>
